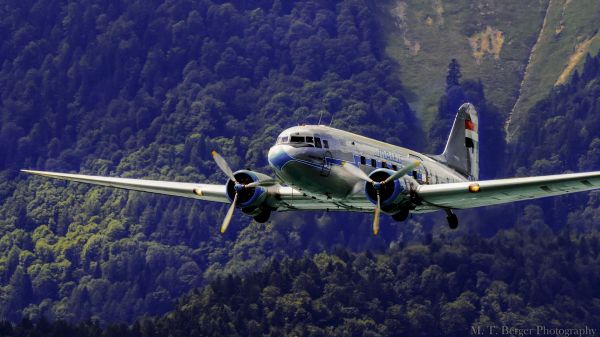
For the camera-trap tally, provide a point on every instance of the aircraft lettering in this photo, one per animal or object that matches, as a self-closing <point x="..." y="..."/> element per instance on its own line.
<point x="389" y="156"/>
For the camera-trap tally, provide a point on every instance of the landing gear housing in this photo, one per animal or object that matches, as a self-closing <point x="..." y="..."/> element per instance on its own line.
<point x="452" y="219"/>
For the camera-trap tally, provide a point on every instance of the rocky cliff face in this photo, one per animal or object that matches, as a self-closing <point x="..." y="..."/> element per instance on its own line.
<point x="569" y="32"/>
<point x="519" y="49"/>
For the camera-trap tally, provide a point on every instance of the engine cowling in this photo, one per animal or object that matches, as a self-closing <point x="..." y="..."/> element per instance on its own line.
<point x="395" y="195"/>
<point x="249" y="199"/>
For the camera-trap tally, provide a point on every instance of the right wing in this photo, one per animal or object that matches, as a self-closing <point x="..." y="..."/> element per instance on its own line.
<point x="281" y="198"/>
<point x="499" y="191"/>
<point x="207" y="192"/>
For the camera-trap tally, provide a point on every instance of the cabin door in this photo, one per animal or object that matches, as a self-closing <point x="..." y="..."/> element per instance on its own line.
<point x="326" y="168"/>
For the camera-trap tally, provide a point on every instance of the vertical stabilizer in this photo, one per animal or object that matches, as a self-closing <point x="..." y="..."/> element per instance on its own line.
<point x="462" y="149"/>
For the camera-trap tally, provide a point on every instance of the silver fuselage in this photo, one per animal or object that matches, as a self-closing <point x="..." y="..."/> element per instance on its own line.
<point x="316" y="169"/>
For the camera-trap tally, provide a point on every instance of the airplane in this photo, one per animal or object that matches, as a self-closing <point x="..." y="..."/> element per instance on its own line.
<point x="322" y="168"/>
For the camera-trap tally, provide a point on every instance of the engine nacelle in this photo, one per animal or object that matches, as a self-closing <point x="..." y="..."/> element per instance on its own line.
<point x="249" y="199"/>
<point x="395" y="195"/>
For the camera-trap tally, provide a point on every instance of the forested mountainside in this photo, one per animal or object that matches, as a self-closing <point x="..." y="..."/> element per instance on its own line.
<point x="147" y="89"/>
<point x="520" y="279"/>
<point x="562" y="133"/>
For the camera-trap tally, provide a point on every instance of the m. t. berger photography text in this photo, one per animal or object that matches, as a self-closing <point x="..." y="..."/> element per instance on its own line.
<point x="538" y="330"/>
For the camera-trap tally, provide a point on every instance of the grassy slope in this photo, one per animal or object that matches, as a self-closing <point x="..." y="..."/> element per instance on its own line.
<point x="425" y="35"/>
<point x="571" y="31"/>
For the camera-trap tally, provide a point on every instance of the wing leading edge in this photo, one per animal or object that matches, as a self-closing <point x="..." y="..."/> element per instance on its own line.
<point x="207" y="192"/>
<point x="499" y="191"/>
<point x="281" y="198"/>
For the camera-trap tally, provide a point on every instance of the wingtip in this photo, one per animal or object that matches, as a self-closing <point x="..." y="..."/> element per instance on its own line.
<point x="213" y="153"/>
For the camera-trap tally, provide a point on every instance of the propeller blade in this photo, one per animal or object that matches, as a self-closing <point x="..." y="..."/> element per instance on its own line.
<point x="229" y="214"/>
<point x="376" y="215"/>
<point x="355" y="171"/>
<point x="402" y="172"/>
<point x="222" y="164"/>
<point x="263" y="183"/>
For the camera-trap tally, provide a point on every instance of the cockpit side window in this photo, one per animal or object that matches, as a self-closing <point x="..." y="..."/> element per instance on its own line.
<point x="318" y="142"/>
<point x="309" y="139"/>
<point x="296" y="139"/>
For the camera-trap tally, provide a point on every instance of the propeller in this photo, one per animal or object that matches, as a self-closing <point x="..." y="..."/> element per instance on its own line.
<point x="360" y="174"/>
<point x="263" y="183"/>
<point x="376" y="215"/>
<point x="222" y="164"/>
<point x="402" y="172"/>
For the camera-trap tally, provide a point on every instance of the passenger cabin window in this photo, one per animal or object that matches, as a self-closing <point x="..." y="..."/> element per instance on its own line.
<point x="394" y="167"/>
<point x="415" y="174"/>
<point x="325" y="144"/>
<point x="296" y="139"/>
<point x="383" y="164"/>
<point x="318" y="142"/>
<point x="363" y="160"/>
<point x="373" y="163"/>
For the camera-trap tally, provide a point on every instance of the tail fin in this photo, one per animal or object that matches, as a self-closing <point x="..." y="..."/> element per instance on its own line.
<point x="462" y="149"/>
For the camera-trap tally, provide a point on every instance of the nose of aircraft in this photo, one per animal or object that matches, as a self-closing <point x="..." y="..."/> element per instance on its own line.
<point x="278" y="156"/>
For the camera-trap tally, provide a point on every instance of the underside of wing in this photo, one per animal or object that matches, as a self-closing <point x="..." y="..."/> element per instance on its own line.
<point x="492" y="192"/>
<point x="188" y="190"/>
<point x="290" y="199"/>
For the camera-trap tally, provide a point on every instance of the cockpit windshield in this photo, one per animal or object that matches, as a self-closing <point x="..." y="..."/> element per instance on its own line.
<point x="301" y="141"/>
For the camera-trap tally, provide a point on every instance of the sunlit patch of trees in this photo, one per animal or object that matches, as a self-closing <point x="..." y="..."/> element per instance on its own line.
<point x="440" y="288"/>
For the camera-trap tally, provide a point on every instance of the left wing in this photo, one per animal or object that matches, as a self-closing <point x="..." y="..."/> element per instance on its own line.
<point x="491" y="192"/>
<point x="207" y="192"/>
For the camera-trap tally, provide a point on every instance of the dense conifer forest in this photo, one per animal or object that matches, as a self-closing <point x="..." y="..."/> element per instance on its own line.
<point x="519" y="278"/>
<point x="146" y="89"/>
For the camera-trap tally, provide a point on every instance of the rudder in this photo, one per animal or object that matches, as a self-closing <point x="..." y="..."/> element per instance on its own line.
<point x="462" y="149"/>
